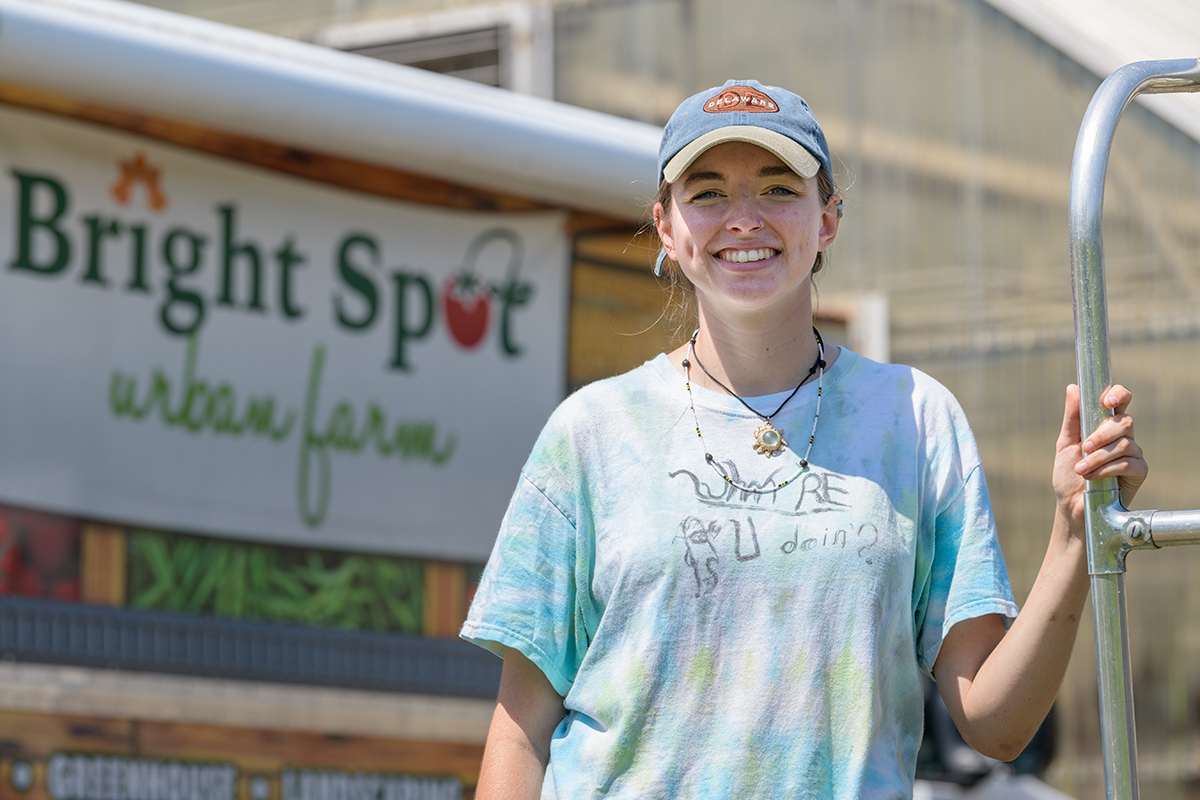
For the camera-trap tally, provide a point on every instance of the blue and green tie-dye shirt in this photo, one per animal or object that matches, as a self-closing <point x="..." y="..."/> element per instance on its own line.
<point x="712" y="643"/>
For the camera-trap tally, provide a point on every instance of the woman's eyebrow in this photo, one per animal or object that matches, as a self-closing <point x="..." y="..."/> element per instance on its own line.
<point x="776" y="170"/>
<point x="771" y="171"/>
<point x="702" y="176"/>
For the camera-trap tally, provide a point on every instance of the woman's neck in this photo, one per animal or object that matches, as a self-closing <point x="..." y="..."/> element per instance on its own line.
<point x="756" y="359"/>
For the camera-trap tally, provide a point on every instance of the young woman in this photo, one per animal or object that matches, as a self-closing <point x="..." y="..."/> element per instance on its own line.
<point x="723" y="573"/>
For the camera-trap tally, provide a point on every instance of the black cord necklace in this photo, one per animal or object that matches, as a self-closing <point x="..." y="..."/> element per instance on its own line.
<point x="768" y="440"/>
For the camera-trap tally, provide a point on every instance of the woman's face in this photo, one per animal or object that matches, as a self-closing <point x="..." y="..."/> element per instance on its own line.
<point x="746" y="229"/>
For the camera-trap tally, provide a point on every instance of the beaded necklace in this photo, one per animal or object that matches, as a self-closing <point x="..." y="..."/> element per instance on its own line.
<point x="767" y="439"/>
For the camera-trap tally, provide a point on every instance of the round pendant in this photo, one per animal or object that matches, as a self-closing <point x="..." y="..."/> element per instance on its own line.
<point x="767" y="440"/>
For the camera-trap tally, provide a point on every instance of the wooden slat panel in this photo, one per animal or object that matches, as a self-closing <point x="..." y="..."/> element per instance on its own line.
<point x="271" y="749"/>
<point x="34" y="737"/>
<point x="445" y="598"/>
<point x="102" y="561"/>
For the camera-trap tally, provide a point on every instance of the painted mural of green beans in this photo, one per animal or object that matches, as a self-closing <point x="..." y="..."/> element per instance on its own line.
<point x="253" y="581"/>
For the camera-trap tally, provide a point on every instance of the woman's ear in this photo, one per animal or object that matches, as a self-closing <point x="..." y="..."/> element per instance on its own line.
<point x="831" y="217"/>
<point x="663" y="227"/>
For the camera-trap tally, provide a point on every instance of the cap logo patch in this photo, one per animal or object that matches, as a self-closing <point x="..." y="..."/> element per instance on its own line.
<point x="740" y="98"/>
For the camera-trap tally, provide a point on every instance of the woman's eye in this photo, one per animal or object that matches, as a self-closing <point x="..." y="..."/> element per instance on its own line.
<point x="783" y="191"/>
<point x="707" y="194"/>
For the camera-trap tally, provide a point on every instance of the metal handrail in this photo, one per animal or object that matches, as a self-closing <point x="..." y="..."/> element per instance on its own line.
<point x="1112" y="530"/>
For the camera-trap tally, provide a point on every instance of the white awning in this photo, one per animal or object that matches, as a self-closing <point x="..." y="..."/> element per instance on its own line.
<point x="163" y="64"/>
<point x="1104" y="35"/>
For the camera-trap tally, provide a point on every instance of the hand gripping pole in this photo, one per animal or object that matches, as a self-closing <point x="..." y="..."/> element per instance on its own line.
<point x="1112" y="531"/>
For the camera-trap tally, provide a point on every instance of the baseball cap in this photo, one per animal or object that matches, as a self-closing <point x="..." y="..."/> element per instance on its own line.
<point x="743" y="111"/>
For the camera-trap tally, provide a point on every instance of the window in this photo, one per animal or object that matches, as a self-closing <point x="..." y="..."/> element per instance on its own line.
<point x="508" y="45"/>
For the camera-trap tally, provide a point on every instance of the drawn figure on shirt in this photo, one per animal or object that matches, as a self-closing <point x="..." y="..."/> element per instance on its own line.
<point x="700" y="553"/>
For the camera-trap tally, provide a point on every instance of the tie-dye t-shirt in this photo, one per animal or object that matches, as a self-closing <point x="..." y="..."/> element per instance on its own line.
<point x="713" y="643"/>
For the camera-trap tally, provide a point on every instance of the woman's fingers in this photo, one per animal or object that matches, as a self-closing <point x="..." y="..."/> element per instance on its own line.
<point x="1111" y="459"/>
<point x="1111" y="451"/>
<point x="1070" y="426"/>
<point x="1117" y="398"/>
<point x="1112" y="430"/>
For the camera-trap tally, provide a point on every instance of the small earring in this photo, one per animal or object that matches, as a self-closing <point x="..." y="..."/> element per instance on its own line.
<point x="839" y="208"/>
<point x="658" y="263"/>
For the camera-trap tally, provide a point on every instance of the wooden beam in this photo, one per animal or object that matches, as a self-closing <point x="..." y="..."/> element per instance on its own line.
<point x="182" y="699"/>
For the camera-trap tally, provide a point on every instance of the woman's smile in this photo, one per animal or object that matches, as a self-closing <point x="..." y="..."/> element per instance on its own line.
<point x="744" y="256"/>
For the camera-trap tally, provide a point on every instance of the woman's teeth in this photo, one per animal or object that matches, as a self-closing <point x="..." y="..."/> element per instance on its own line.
<point x="743" y="256"/>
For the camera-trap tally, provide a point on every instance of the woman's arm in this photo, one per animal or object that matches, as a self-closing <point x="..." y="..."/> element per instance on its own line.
<point x="999" y="686"/>
<point x="518" y="742"/>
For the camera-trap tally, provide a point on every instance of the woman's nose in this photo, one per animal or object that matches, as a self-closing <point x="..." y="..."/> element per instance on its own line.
<point x="744" y="217"/>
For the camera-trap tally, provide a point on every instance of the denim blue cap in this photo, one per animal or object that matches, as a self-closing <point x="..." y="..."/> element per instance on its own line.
<point x="743" y="111"/>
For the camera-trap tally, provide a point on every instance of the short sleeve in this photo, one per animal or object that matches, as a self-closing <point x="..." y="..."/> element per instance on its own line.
<point x="967" y="577"/>
<point x="529" y="595"/>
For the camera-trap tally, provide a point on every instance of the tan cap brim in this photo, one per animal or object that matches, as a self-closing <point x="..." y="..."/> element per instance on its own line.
<point x="788" y="151"/>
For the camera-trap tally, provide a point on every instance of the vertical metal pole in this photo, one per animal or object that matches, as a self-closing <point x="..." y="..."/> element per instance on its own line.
<point x="1115" y="677"/>
<point x="1106" y="541"/>
<point x="1092" y="362"/>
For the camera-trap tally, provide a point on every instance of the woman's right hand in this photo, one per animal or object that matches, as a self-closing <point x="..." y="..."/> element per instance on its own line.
<point x="1109" y="452"/>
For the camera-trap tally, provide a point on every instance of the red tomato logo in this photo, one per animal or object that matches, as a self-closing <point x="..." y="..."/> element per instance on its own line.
<point x="466" y="302"/>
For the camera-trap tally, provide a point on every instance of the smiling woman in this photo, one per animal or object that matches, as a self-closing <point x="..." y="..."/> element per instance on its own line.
<point x="728" y="581"/>
<point x="746" y="231"/>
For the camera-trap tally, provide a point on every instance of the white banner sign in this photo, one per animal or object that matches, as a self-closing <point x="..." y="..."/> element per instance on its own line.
<point x="191" y="344"/>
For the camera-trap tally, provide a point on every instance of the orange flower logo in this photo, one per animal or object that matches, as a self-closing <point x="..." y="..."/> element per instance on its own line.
<point x="134" y="171"/>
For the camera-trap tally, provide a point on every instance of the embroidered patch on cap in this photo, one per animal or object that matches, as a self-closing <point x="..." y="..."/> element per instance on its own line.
<point x="740" y="98"/>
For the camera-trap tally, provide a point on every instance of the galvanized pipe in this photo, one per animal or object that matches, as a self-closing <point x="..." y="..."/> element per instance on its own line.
<point x="1086" y="209"/>
<point x="1170" y="528"/>
<point x="1112" y="531"/>
<point x="1115" y="677"/>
